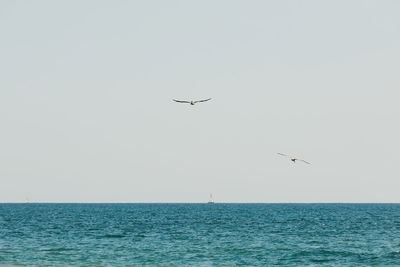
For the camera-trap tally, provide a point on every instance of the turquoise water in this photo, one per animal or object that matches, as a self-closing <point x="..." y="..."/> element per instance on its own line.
<point x="199" y="234"/>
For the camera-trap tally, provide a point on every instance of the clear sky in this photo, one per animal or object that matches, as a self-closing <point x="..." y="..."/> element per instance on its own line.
<point x="87" y="115"/>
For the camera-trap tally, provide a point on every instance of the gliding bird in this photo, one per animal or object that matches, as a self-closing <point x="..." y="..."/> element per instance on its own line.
<point x="293" y="158"/>
<point x="191" y="102"/>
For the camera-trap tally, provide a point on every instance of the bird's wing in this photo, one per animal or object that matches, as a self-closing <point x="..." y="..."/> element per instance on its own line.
<point x="304" y="161"/>
<point x="204" y="100"/>
<point x="283" y="154"/>
<point x="180" y="101"/>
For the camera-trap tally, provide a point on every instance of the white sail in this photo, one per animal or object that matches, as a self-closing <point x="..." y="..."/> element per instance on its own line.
<point x="211" y="200"/>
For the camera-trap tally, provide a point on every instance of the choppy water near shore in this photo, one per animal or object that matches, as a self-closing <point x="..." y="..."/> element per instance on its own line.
<point x="199" y="234"/>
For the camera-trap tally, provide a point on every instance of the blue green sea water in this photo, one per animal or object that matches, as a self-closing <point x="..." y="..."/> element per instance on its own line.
<point x="199" y="234"/>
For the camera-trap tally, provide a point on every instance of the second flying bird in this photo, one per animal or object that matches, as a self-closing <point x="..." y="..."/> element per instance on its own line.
<point x="191" y="102"/>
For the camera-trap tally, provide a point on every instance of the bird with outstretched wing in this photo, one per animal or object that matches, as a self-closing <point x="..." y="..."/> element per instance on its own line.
<point x="293" y="158"/>
<point x="191" y="102"/>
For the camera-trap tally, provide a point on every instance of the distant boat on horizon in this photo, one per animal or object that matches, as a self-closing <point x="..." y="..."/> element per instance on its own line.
<point x="211" y="200"/>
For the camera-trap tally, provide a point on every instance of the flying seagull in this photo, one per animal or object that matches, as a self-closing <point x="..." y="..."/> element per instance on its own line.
<point x="191" y="102"/>
<point x="293" y="158"/>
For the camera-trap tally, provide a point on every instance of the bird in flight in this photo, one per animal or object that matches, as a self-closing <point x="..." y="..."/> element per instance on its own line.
<point x="293" y="158"/>
<point x="191" y="102"/>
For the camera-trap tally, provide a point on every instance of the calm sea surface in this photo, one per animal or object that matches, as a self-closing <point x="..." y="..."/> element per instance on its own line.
<point x="199" y="234"/>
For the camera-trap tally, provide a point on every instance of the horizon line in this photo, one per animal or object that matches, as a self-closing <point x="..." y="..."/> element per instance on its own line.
<point x="198" y="202"/>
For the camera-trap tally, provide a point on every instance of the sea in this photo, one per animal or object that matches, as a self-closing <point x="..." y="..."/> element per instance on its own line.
<point x="33" y="234"/>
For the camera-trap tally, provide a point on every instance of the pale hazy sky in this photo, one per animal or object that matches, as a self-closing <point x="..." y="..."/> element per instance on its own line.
<point x="86" y="111"/>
